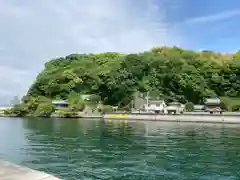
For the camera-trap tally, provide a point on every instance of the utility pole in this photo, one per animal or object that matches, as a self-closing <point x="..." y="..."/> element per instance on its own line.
<point x="132" y="105"/>
<point x="147" y="101"/>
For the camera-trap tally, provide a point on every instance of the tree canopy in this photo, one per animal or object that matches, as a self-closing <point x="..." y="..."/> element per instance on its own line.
<point x="172" y="73"/>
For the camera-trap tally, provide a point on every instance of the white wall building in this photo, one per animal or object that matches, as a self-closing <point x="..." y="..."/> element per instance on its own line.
<point x="155" y="106"/>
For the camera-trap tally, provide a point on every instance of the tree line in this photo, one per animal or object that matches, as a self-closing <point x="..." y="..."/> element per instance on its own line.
<point x="171" y="73"/>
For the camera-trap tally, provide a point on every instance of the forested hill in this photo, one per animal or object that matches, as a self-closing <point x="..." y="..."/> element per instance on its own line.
<point x="170" y="73"/>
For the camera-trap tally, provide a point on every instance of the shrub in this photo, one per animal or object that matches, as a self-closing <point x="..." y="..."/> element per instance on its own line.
<point x="79" y="106"/>
<point x="189" y="106"/>
<point x="17" y="110"/>
<point x="67" y="113"/>
<point x="45" y="109"/>
<point x="230" y="104"/>
<point x="236" y="107"/>
<point x="106" y="108"/>
<point x="95" y="98"/>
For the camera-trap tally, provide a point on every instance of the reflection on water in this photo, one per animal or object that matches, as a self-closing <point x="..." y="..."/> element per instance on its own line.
<point x="97" y="149"/>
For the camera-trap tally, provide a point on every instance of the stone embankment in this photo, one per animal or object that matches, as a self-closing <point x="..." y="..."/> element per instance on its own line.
<point x="227" y="117"/>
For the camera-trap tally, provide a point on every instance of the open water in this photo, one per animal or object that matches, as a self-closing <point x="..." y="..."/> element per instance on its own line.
<point x="74" y="149"/>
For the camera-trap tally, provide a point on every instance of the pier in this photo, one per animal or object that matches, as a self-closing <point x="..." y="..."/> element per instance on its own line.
<point x="15" y="172"/>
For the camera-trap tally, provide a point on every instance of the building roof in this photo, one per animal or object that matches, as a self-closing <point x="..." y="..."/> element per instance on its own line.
<point x="213" y="101"/>
<point x="156" y="101"/>
<point x="199" y="107"/>
<point x="59" y="102"/>
<point x="174" y="103"/>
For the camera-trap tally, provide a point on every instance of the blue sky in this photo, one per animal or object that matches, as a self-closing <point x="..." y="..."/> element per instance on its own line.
<point x="209" y="25"/>
<point x="33" y="32"/>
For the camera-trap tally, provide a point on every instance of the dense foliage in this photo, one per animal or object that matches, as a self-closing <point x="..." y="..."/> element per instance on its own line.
<point x="45" y="109"/>
<point x="171" y="73"/>
<point x="189" y="106"/>
<point x="76" y="103"/>
<point x="33" y="106"/>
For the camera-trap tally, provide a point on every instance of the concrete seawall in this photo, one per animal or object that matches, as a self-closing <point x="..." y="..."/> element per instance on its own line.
<point x="188" y="117"/>
<point x="15" y="172"/>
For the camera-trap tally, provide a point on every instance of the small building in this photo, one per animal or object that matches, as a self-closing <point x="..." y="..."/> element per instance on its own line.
<point x="213" y="105"/>
<point x="157" y="106"/>
<point x="64" y="103"/>
<point x="86" y="97"/>
<point x="60" y="104"/>
<point x="212" y="101"/>
<point x="175" y="108"/>
<point x="199" y="108"/>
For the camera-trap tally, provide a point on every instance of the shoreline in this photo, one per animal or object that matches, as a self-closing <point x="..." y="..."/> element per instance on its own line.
<point x="184" y="114"/>
<point x="229" y="117"/>
<point x="59" y="117"/>
<point x="13" y="171"/>
<point x="195" y="117"/>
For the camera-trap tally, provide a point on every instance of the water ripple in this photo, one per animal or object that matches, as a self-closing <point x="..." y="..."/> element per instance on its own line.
<point x="89" y="149"/>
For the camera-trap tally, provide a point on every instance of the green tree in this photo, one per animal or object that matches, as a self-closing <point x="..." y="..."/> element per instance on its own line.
<point x="45" y="109"/>
<point x="189" y="106"/>
<point x="18" y="110"/>
<point x="171" y="73"/>
<point x="76" y="102"/>
<point x="95" y="99"/>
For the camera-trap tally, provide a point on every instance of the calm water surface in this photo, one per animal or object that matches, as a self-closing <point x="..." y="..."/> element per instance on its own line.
<point x="97" y="149"/>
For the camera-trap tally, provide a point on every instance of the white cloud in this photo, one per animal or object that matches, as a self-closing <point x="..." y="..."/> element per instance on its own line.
<point x="11" y="74"/>
<point x="33" y="32"/>
<point x="214" y="17"/>
<point x="13" y="82"/>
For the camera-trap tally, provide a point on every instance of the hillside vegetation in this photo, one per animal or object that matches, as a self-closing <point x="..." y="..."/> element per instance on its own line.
<point x="172" y="73"/>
